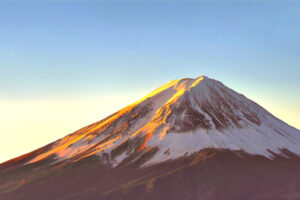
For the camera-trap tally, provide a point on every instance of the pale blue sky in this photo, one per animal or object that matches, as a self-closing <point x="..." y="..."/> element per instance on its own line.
<point x="65" y="48"/>
<point x="102" y="50"/>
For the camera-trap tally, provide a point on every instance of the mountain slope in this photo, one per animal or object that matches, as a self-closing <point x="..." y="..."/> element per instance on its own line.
<point x="187" y="124"/>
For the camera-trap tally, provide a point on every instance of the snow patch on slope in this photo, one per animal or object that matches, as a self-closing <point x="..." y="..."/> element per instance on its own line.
<point x="254" y="141"/>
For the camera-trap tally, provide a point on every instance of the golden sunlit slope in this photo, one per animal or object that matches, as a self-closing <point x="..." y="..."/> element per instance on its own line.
<point x="207" y="112"/>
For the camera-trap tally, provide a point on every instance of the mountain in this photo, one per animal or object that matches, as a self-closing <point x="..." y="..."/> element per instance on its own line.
<point x="189" y="139"/>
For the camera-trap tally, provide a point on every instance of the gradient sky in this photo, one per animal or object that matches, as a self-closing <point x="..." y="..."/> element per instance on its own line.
<point x="64" y="65"/>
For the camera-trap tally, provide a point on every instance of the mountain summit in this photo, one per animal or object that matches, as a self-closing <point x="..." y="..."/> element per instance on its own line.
<point x="179" y="130"/>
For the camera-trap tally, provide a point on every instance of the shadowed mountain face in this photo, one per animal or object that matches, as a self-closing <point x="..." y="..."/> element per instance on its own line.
<point x="189" y="139"/>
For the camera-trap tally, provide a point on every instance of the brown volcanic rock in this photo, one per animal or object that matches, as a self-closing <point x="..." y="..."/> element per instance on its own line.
<point x="210" y="174"/>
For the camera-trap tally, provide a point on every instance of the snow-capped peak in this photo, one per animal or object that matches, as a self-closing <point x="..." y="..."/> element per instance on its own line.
<point x="181" y="117"/>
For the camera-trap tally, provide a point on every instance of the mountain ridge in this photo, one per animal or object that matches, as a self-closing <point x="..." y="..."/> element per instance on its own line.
<point x="200" y="105"/>
<point x="211" y="141"/>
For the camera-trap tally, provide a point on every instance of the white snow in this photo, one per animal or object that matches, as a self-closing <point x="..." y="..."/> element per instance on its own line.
<point x="251" y="140"/>
<point x="272" y="135"/>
